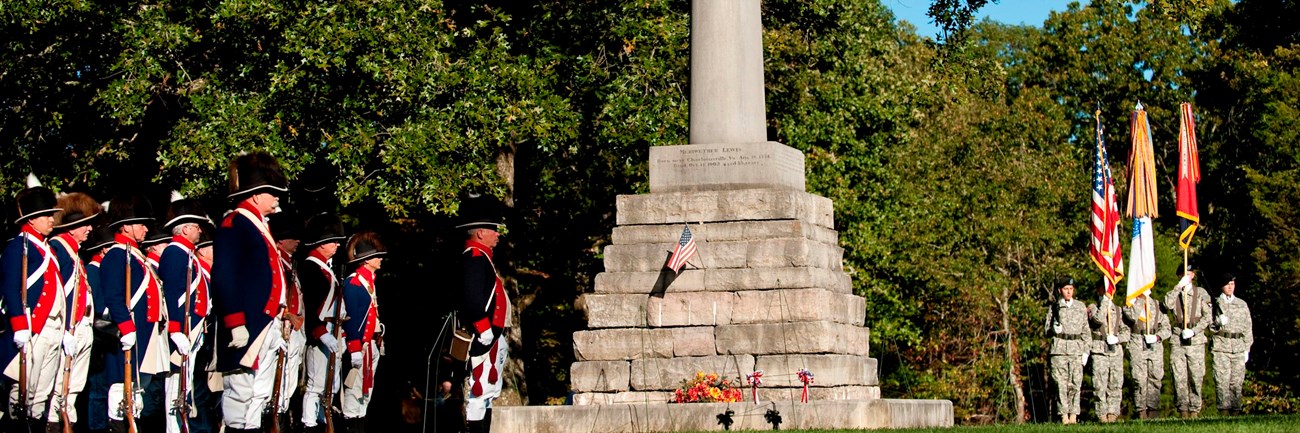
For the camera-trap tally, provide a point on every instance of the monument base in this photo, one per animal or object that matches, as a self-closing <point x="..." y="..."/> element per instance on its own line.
<point x="666" y="417"/>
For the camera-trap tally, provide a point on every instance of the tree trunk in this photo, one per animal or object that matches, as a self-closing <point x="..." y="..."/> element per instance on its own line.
<point x="1013" y="356"/>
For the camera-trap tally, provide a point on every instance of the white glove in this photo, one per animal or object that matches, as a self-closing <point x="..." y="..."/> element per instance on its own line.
<point x="1056" y="328"/>
<point x="1150" y="338"/>
<point x="128" y="341"/>
<point x="69" y="344"/>
<point x="1223" y="320"/>
<point x="21" y="338"/>
<point x="1085" y="357"/>
<point x="357" y="359"/>
<point x="182" y="343"/>
<point x="380" y="328"/>
<point x="1186" y="281"/>
<point x="1112" y="340"/>
<point x="486" y="337"/>
<point x="1188" y="333"/>
<point x="238" y="337"/>
<point x="1246" y="358"/>
<point x="329" y="343"/>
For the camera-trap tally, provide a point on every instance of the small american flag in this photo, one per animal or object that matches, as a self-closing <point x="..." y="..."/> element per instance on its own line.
<point x="684" y="251"/>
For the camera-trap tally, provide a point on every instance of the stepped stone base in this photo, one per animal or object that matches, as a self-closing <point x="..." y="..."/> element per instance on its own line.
<point x="663" y="417"/>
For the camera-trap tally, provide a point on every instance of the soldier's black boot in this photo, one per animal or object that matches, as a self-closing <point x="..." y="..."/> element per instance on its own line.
<point x="487" y="421"/>
<point x="474" y="427"/>
<point x="115" y="426"/>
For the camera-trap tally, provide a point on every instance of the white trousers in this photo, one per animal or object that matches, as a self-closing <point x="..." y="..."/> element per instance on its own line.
<point x="355" y="398"/>
<point x="248" y="392"/>
<point x="292" y="368"/>
<point x="77" y="378"/>
<point x="44" y="361"/>
<point x="317" y="370"/>
<point x="173" y="389"/>
<point x="487" y="373"/>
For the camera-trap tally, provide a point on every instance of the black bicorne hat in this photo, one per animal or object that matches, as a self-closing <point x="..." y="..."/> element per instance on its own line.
<point x="322" y="229"/>
<point x="254" y="173"/>
<point x="205" y="237"/>
<point x="78" y="209"/>
<point x="185" y="210"/>
<point x="1063" y="281"/>
<point x="156" y="236"/>
<point x="285" y="225"/>
<point x="365" y="246"/>
<point x="481" y="212"/>
<point x="35" y="200"/>
<point x="101" y="237"/>
<point x="129" y="208"/>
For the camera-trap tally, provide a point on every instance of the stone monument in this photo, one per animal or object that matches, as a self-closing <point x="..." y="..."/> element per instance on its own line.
<point x="766" y="291"/>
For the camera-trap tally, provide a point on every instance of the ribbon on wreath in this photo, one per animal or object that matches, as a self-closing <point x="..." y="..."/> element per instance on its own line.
<point x="755" y="379"/>
<point x="806" y="378"/>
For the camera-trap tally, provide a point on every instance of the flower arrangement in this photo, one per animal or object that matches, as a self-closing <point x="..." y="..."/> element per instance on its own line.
<point x="707" y="388"/>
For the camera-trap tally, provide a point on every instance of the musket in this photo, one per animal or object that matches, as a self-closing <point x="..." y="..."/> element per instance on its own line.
<point x="182" y="403"/>
<point x="128" y="386"/>
<point x="22" y="410"/>
<point x="327" y="398"/>
<point x="274" y="404"/>
<point x="67" y="366"/>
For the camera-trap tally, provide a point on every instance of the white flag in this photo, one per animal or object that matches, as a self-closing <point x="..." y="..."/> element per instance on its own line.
<point x="1141" y="260"/>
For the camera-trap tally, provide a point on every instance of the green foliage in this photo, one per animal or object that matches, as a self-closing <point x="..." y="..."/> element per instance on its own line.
<point x="959" y="177"/>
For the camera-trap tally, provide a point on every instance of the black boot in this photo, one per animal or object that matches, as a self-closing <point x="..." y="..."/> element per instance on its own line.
<point x="475" y="427"/>
<point x="487" y="421"/>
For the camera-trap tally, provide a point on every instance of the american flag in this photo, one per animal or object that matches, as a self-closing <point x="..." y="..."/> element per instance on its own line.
<point x="684" y="251"/>
<point x="1105" y="249"/>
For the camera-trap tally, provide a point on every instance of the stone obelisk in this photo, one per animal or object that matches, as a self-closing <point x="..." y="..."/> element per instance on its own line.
<point x="767" y="290"/>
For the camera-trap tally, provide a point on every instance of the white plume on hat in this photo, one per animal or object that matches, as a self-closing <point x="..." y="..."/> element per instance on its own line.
<point x="104" y="205"/>
<point x="32" y="181"/>
<point x="176" y="196"/>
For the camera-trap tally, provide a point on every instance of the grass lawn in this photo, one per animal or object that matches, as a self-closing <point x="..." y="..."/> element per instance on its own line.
<point x="1240" y="424"/>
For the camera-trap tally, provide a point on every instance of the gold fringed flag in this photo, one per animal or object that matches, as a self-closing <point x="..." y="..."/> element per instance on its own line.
<point x="1189" y="174"/>
<point x="1105" y="249"/>
<point x="1142" y="208"/>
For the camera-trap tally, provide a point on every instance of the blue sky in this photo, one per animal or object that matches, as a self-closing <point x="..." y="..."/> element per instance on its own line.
<point x="1032" y="12"/>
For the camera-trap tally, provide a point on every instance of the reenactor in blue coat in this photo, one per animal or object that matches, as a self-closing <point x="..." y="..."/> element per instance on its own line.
<point x="188" y="303"/>
<point x="322" y="236"/>
<point x="286" y="228"/>
<point x="362" y="328"/>
<point x="72" y="228"/>
<point x="485" y="310"/>
<point x="31" y="293"/>
<point x="207" y="398"/>
<point x="249" y="291"/>
<point x="135" y="305"/>
<point x="105" y="333"/>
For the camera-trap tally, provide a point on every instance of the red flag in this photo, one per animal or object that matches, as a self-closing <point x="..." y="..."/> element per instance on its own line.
<point x="1189" y="174"/>
<point x="684" y="251"/>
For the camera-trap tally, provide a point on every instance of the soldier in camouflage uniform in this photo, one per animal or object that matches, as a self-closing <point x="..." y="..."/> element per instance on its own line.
<point x="1231" y="345"/>
<point x="1067" y="324"/>
<point x="1190" y="314"/>
<point x="1149" y="328"/>
<point x="1108" y="332"/>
